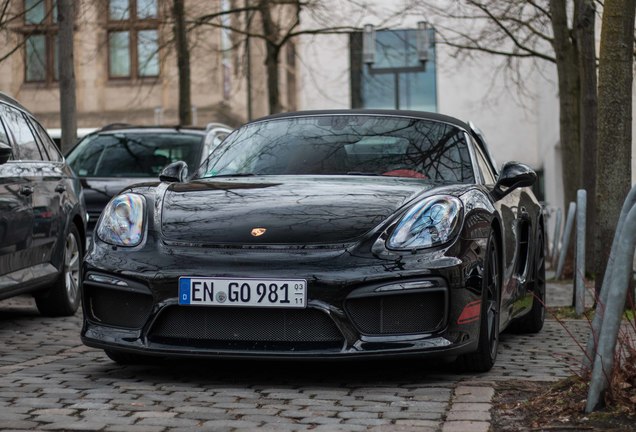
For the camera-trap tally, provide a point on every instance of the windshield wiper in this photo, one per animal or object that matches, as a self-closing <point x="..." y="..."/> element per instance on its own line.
<point x="232" y="175"/>
<point x="362" y="173"/>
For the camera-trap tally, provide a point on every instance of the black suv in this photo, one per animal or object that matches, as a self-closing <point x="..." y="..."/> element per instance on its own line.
<point x="42" y="215"/>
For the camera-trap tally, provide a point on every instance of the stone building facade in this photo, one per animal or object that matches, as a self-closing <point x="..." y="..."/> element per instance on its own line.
<point x="126" y="66"/>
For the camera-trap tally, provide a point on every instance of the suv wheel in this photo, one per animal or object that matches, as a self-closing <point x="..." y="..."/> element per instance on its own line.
<point x="63" y="298"/>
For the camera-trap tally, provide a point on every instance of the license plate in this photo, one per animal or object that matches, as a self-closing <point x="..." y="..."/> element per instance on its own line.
<point x="271" y="293"/>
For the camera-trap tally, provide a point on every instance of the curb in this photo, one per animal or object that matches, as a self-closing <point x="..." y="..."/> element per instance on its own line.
<point x="470" y="408"/>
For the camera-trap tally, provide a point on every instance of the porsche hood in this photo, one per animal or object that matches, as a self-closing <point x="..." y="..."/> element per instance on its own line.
<point x="282" y="210"/>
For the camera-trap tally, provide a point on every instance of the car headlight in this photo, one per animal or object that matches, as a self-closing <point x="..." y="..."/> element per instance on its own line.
<point x="122" y="222"/>
<point x="431" y="222"/>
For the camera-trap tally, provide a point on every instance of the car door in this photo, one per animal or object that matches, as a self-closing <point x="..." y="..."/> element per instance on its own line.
<point x="508" y="208"/>
<point x="516" y="219"/>
<point x="51" y="218"/>
<point x="16" y="206"/>
<point x="45" y="201"/>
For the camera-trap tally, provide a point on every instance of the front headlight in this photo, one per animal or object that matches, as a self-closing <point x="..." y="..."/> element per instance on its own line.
<point x="122" y="222"/>
<point x="431" y="222"/>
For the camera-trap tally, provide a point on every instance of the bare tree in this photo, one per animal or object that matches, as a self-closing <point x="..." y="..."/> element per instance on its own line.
<point x="68" y="107"/>
<point x="560" y="32"/>
<point x="569" y="78"/>
<point x="615" y="121"/>
<point x="588" y="105"/>
<point x="277" y="22"/>
<point x="530" y="30"/>
<point x="183" y="62"/>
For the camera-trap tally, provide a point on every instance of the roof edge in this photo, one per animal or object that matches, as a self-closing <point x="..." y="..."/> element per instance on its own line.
<point x="424" y="115"/>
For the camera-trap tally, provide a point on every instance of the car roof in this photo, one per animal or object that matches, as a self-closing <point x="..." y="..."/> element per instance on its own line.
<point x="423" y="115"/>
<point x="9" y="100"/>
<point x="139" y="129"/>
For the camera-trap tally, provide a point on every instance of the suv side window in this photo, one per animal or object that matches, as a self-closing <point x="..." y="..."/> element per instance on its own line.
<point x="25" y="141"/>
<point x="4" y="138"/>
<point x="4" y="132"/>
<point x="47" y="142"/>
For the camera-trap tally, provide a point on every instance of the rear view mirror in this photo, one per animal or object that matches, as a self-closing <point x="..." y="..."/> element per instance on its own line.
<point x="5" y="153"/>
<point x="513" y="175"/>
<point x="175" y="172"/>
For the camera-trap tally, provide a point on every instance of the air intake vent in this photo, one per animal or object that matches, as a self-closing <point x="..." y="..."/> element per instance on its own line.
<point x="118" y="307"/>
<point x="422" y="312"/>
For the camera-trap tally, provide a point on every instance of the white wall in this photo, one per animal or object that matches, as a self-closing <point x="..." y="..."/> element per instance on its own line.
<point x="549" y="142"/>
<point x="473" y="90"/>
<point x="324" y="72"/>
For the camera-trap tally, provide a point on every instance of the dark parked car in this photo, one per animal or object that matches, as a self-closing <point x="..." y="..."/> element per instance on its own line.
<point x="42" y="216"/>
<point x="118" y="156"/>
<point x="327" y="234"/>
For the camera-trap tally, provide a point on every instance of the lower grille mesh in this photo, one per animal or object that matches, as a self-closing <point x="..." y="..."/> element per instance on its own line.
<point x="179" y="324"/>
<point x="422" y="312"/>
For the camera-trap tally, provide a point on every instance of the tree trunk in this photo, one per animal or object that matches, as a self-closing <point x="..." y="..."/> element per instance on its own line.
<point x="585" y="36"/>
<point x="271" y="57"/>
<point x="271" y="63"/>
<point x="614" y="121"/>
<point x="68" y="107"/>
<point x="183" y="63"/>
<point x="569" y="93"/>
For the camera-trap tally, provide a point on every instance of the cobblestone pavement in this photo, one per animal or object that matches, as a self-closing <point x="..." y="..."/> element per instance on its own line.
<point x="50" y="381"/>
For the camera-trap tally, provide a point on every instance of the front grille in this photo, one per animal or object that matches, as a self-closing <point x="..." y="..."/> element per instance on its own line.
<point x="202" y="326"/>
<point x="118" y="307"/>
<point x="421" y="312"/>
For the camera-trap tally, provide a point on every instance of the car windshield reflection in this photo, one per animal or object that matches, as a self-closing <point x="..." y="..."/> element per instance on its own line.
<point x="133" y="154"/>
<point x="344" y="145"/>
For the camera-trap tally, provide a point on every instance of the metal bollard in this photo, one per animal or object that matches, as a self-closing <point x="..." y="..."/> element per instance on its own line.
<point x="579" y="277"/>
<point x="195" y="115"/>
<point x="566" y="240"/>
<point x="617" y="293"/>
<point x="597" y="322"/>
<point x="557" y="233"/>
<point x="546" y="217"/>
<point x="158" y="115"/>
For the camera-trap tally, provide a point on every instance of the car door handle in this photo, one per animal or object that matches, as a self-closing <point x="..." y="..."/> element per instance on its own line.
<point x="60" y="188"/>
<point x="26" y="190"/>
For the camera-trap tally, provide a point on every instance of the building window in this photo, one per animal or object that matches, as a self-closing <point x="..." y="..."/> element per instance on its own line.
<point x="40" y="44"/>
<point x="133" y="39"/>
<point x="397" y="79"/>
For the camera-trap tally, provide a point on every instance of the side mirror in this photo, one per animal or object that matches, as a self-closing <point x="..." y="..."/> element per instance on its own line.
<point x="513" y="175"/>
<point x="175" y="172"/>
<point x="5" y="153"/>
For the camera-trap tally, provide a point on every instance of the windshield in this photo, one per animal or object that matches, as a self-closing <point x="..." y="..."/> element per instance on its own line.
<point x="133" y="154"/>
<point x="344" y="145"/>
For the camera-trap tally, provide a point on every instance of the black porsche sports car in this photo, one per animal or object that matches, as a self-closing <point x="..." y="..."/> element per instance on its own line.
<point x="331" y="234"/>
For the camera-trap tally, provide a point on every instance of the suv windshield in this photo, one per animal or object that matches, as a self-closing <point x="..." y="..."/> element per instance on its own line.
<point x="344" y="145"/>
<point x="142" y="154"/>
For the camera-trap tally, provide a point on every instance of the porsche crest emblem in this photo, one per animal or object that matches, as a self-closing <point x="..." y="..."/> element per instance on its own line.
<point x="257" y="232"/>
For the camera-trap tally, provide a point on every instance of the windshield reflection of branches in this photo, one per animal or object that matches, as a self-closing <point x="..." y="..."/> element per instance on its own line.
<point x="345" y="144"/>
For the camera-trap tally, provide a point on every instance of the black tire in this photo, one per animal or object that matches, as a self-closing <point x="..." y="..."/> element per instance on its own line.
<point x="484" y="358"/>
<point x="63" y="298"/>
<point x="532" y="322"/>
<point x="126" y="358"/>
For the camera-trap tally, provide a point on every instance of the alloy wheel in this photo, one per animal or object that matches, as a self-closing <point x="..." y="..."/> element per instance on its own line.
<point x="72" y="267"/>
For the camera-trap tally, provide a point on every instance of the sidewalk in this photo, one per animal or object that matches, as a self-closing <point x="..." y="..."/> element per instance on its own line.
<point x="548" y="356"/>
